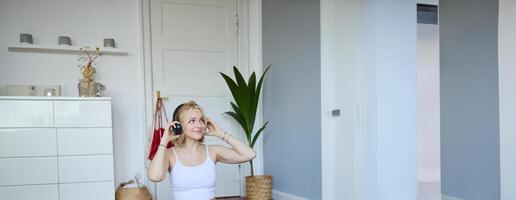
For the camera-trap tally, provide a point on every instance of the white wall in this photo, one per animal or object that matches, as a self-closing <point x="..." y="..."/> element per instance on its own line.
<point x="428" y="103"/>
<point x="87" y="23"/>
<point x="507" y="76"/>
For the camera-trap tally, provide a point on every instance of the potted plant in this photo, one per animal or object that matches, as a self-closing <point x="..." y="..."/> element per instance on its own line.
<point x="247" y="96"/>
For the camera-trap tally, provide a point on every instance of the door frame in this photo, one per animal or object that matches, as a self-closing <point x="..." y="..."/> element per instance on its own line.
<point x="249" y="54"/>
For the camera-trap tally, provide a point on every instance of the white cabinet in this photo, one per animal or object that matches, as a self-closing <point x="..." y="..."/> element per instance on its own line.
<point x="26" y="113"/>
<point x="24" y="142"/>
<point x="30" y="192"/>
<point x="73" y="169"/>
<point x="86" y="191"/>
<point x="56" y="148"/>
<point x="23" y="171"/>
<point x="84" y="141"/>
<point x="82" y="113"/>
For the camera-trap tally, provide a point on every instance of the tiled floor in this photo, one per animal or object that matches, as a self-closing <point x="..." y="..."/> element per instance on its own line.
<point x="429" y="191"/>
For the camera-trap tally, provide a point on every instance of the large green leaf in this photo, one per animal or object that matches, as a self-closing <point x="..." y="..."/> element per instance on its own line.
<point x="239" y="78"/>
<point x="258" y="134"/>
<point x="240" y="121"/>
<point x="258" y="89"/>
<point x="244" y="124"/>
<point x="252" y="87"/>
<point x="252" y="93"/>
<point x="233" y="87"/>
<point x="252" y="82"/>
<point x="245" y="102"/>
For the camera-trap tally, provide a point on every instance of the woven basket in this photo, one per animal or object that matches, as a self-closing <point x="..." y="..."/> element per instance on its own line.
<point x="139" y="193"/>
<point x="258" y="187"/>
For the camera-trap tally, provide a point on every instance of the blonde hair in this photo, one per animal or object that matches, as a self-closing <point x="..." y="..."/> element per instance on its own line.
<point x="190" y="105"/>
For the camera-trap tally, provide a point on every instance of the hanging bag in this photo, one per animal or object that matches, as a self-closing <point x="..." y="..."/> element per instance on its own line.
<point x="158" y="128"/>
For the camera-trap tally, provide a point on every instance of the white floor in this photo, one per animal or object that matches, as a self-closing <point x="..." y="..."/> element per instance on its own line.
<point x="429" y="191"/>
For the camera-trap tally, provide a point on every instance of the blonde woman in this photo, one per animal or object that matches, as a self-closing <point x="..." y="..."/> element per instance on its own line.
<point x="191" y="163"/>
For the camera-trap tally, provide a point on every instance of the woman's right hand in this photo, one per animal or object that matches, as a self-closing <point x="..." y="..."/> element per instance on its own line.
<point x="169" y="134"/>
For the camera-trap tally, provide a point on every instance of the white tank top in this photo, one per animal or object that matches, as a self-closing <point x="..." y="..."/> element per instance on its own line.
<point x="193" y="183"/>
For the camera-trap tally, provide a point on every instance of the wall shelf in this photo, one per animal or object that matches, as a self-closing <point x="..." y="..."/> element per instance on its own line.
<point x="63" y="49"/>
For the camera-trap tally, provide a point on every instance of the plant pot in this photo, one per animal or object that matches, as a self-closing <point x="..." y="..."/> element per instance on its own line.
<point x="258" y="187"/>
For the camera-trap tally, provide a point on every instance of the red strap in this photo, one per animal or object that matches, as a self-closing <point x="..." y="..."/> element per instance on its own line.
<point x="158" y="115"/>
<point x="156" y="111"/>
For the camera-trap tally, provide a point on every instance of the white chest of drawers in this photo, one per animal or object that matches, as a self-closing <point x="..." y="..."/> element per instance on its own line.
<point x="56" y="148"/>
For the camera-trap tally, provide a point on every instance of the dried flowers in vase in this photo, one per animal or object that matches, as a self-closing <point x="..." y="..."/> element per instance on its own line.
<point x="86" y="61"/>
<point x="87" y="86"/>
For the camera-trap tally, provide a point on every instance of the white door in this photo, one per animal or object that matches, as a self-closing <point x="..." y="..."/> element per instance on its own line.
<point x="192" y="41"/>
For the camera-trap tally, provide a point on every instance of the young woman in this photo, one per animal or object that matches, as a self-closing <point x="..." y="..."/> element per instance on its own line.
<point x="191" y="163"/>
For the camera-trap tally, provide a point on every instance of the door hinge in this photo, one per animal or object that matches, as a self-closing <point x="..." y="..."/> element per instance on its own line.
<point x="237" y="24"/>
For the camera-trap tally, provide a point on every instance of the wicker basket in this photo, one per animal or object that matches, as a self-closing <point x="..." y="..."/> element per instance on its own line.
<point x="138" y="193"/>
<point x="258" y="187"/>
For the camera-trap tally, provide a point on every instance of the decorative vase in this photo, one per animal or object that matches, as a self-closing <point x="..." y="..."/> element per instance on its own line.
<point x="258" y="187"/>
<point x="90" y="89"/>
<point x="86" y="88"/>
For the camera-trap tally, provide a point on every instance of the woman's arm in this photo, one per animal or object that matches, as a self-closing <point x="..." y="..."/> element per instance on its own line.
<point x="238" y="153"/>
<point x="160" y="163"/>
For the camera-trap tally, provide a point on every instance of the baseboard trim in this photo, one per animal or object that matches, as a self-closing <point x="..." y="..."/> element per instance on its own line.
<point x="277" y="195"/>
<point x="448" y="197"/>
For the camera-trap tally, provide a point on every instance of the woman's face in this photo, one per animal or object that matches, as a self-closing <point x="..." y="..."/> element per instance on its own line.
<point x="194" y="124"/>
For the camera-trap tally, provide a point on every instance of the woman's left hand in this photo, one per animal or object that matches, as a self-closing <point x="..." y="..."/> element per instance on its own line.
<point x="213" y="129"/>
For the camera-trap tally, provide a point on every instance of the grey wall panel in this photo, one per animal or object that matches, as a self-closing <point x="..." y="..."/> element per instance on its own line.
<point x="292" y="102"/>
<point x="470" y="146"/>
